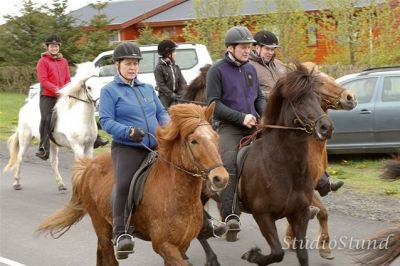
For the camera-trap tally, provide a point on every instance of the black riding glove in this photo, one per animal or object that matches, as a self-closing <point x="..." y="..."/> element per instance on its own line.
<point x="175" y="96"/>
<point x="137" y="134"/>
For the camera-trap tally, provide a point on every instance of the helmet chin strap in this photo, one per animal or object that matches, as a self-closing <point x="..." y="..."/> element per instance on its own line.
<point x="126" y="79"/>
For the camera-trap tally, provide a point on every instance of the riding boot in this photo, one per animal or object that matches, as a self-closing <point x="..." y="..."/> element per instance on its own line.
<point x="211" y="227"/>
<point x="229" y="209"/>
<point x="124" y="242"/>
<point x="99" y="142"/>
<point x="325" y="186"/>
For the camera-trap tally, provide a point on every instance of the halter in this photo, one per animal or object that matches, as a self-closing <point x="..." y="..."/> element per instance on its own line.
<point x="201" y="171"/>
<point x="336" y="100"/>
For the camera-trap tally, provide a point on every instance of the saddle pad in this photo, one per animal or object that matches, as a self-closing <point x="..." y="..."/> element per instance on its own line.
<point x="137" y="184"/>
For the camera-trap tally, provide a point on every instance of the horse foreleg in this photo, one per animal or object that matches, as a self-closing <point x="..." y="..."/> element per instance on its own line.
<point x="269" y="231"/>
<point x="170" y="253"/>
<point x="299" y="223"/>
<point x="211" y="257"/>
<point x="54" y="165"/>
<point x="323" y="243"/>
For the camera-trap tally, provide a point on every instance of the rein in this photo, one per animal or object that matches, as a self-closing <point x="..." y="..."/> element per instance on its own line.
<point x="189" y="101"/>
<point x="306" y="127"/>
<point x="88" y="96"/>
<point x="202" y="171"/>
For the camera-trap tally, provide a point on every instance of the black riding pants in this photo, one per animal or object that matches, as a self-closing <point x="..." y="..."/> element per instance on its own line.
<point x="46" y="105"/>
<point x="126" y="161"/>
<point x="229" y="140"/>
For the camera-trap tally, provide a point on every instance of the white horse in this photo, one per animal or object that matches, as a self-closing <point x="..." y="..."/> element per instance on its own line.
<point x="75" y="127"/>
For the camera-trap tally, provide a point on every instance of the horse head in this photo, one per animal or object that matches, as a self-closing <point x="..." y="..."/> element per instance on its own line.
<point x="333" y="95"/>
<point x="190" y="143"/>
<point x="77" y="89"/>
<point x="295" y="103"/>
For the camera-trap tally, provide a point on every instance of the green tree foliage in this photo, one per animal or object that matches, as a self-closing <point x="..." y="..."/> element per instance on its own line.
<point x="147" y="36"/>
<point x="98" y="36"/>
<point x="21" y="38"/>
<point x="357" y="33"/>
<point x="213" y="19"/>
<point x="288" y="20"/>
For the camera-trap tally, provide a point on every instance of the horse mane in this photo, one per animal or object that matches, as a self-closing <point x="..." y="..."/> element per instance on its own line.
<point x="185" y="118"/>
<point x="83" y="72"/>
<point x="198" y="84"/>
<point x="295" y="85"/>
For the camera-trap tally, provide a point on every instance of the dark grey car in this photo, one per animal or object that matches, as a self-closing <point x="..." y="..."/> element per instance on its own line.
<point x="374" y="125"/>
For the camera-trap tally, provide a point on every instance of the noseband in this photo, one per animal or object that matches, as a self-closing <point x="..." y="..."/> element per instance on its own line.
<point x="335" y="104"/>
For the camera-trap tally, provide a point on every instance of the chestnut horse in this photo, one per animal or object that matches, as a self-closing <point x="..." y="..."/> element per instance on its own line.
<point x="390" y="237"/>
<point x="275" y="178"/>
<point x="170" y="213"/>
<point x="333" y="96"/>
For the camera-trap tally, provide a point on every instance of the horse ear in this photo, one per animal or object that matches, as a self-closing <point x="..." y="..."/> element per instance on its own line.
<point x="209" y="111"/>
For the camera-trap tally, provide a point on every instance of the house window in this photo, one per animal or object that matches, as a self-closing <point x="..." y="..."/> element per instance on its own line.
<point x="312" y="35"/>
<point x="169" y="31"/>
<point x="114" y="37"/>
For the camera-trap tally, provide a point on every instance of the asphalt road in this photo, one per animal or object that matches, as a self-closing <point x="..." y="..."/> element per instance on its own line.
<point x="22" y="211"/>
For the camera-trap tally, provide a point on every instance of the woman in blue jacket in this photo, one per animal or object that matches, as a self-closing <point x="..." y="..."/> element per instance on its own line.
<point x="128" y="109"/>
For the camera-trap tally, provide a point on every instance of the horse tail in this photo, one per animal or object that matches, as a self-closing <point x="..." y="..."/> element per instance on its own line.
<point x="383" y="249"/>
<point x="13" y="147"/>
<point x="61" y="221"/>
<point x="392" y="169"/>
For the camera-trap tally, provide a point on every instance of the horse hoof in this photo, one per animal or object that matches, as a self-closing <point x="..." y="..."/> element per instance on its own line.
<point x="17" y="187"/>
<point x="326" y="254"/>
<point x="61" y="188"/>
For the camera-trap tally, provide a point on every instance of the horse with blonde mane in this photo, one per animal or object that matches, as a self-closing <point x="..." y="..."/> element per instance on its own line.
<point x="170" y="213"/>
<point x="75" y="126"/>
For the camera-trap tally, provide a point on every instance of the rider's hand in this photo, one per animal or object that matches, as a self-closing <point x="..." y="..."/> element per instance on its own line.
<point x="249" y="120"/>
<point x="175" y="96"/>
<point x="136" y="134"/>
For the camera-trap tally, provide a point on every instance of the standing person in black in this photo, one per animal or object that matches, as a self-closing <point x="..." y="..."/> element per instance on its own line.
<point x="171" y="84"/>
<point x="232" y="83"/>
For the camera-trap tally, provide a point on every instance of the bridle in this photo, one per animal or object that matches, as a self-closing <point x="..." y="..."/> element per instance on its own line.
<point x="200" y="170"/>
<point x="335" y="104"/>
<point x="89" y="98"/>
<point x="307" y="125"/>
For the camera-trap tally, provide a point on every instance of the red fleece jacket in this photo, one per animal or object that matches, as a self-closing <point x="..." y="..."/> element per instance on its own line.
<point x="53" y="74"/>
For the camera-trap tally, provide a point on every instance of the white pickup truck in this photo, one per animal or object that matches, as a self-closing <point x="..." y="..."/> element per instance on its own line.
<point x="190" y="58"/>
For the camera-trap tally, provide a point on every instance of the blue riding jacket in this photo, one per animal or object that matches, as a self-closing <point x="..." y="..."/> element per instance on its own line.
<point x="123" y="106"/>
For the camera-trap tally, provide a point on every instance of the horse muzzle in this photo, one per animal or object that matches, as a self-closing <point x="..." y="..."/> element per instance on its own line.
<point x="218" y="178"/>
<point x="323" y="129"/>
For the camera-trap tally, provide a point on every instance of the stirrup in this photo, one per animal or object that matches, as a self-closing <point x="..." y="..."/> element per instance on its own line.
<point x="215" y="227"/>
<point x="123" y="254"/>
<point x="233" y="216"/>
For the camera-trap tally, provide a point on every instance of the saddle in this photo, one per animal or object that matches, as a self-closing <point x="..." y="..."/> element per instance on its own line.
<point x="137" y="184"/>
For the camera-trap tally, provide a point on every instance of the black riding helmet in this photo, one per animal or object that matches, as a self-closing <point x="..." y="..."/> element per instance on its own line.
<point x="52" y="39"/>
<point x="127" y="50"/>
<point x="166" y="46"/>
<point x="266" y="38"/>
<point x="237" y="35"/>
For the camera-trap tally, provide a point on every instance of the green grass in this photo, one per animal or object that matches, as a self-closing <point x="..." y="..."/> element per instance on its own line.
<point x="362" y="173"/>
<point x="10" y="103"/>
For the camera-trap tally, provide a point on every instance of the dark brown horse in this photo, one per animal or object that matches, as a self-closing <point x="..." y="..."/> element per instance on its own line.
<point x="333" y="96"/>
<point x="170" y="214"/>
<point x="387" y="247"/>
<point x="196" y="89"/>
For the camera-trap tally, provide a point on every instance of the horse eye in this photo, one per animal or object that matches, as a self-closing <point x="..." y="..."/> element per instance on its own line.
<point x="193" y="141"/>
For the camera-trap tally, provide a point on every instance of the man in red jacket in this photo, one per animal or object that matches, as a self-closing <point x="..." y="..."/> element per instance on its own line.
<point x="53" y="73"/>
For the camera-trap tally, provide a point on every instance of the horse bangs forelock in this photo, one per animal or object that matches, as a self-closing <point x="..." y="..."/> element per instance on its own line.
<point x="299" y="82"/>
<point x="185" y="118"/>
